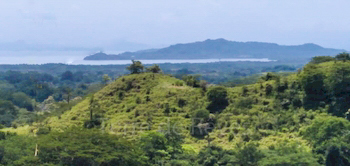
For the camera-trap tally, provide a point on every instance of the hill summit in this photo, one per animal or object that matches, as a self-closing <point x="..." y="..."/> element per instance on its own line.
<point x="221" y="48"/>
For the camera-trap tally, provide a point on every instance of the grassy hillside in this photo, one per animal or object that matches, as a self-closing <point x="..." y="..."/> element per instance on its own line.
<point x="137" y="103"/>
<point x="296" y="119"/>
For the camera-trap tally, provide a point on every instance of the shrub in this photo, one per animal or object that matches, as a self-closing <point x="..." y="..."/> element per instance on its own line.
<point x="268" y="89"/>
<point x="200" y="123"/>
<point x="231" y="137"/>
<point x="154" y="69"/>
<point x="181" y="102"/>
<point x="218" y="98"/>
<point x="43" y="131"/>
<point x="179" y="83"/>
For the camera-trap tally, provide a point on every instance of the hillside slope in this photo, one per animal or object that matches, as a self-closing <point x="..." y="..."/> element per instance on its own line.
<point x="134" y="101"/>
<point x="138" y="103"/>
<point x="279" y="120"/>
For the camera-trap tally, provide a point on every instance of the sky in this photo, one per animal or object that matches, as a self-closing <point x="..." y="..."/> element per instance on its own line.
<point x="159" y="23"/>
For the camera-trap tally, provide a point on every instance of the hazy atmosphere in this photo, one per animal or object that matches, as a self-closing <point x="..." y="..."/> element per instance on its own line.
<point x="134" y="24"/>
<point x="174" y="83"/>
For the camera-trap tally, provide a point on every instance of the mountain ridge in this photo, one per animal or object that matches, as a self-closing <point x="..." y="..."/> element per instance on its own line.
<point x="222" y="48"/>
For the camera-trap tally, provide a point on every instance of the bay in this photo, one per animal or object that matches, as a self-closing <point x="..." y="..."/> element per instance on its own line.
<point x="76" y="58"/>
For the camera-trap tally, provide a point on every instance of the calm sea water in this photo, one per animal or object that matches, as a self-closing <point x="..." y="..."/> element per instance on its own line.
<point x="76" y="58"/>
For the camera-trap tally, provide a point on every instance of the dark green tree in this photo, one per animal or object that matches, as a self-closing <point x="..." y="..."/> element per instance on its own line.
<point x="94" y="120"/>
<point x="218" y="98"/>
<point x="154" y="69"/>
<point x="248" y="154"/>
<point x="20" y="99"/>
<point x="68" y="75"/>
<point x="191" y="80"/>
<point x="334" y="157"/>
<point x="105" y="79"/>
<point x="8" y="112"/>
<point x="78" y="146"/>
<point x="154" y="144"/>
<point x="136" y="67"/>
<point x="200" y="123"/>
<point x="338" y="83"/>
<point x="213" y="156"/>
<point x="321" y="59"/>
<point x="313" y="83"/>
<point x="343" y="56"/>
<point x="173" y="133"/>
<point x="68" y="93"/>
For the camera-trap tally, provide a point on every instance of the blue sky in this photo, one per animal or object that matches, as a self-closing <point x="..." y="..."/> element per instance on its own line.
<point x="156" y="23"/>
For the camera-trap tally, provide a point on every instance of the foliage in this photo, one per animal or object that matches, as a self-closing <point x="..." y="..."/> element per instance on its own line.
<point x="313" y="83"/>
<point x="8" y="113"/>
<point x="136" y="67"/>
<point x="343" y="56"/>
<point x="154" y="69"/>
<point x="321" y="59"/>
<point x="88" y="147"/>
<point x="191" y="80"/>
<point x="13" y="148"/>
<point x="200" y="123"/>
<point x="213" y="155"/>
<point x="218" y="98"/>
<point x="68" y="75"/>
<point x="287" y="126"/>
<point x="155" y="145"/>
<point x="105" y="79"/>
<point x="325" y="132"/>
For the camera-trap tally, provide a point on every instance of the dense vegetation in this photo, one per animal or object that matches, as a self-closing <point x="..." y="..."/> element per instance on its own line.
<point x="215" y="73"/>
<point x="24" y="94"/>
<point x="151" y="118"/>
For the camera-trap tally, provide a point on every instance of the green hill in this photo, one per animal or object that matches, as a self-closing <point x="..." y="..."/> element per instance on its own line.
<point x="299" y="119"/>
<point x="137" y="103"/>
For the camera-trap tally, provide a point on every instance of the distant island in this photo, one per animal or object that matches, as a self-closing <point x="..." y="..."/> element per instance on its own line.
<point x="221" y="48"/>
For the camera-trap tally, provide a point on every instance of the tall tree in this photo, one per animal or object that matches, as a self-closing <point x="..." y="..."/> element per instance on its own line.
<point x="105" y="79"/>
<point x="136" y="67"/>
<point x="218" y="98"/>
<point x="343" y="56"/>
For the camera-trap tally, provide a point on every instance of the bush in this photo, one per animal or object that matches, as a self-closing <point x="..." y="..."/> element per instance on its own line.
<point x="179" y="83"/>
<point x="268" y="89"/>
<point x="43" y="131"/>
<point x="191" y="80"/>
<point x="321" y="59"/>
<point x="218" y="98"/>
<point x="154" y="69"/>
<point x="231" y="137"/>
<point x="136" y="67"/>
<point x="246" y="102"/>
<point x="22" y="100"/>
<point x="92" y="123"/>
<point x="200" y="123"/>
<point x="181" y="102"/>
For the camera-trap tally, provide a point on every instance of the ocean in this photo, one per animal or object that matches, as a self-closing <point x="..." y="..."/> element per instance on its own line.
<point x="76" y="58"/>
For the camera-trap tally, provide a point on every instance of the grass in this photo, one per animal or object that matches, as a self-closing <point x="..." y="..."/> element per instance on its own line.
<point x="135" y="104"/>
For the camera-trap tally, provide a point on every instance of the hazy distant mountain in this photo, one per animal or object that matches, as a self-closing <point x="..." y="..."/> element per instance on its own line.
<point x="124" y="45"/>
<point x="24" y="46"/>
<point x="221" y="48"/>
<point x="118" y="45"/>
